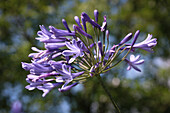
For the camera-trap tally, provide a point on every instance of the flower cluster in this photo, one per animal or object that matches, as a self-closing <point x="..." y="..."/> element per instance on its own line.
<point x="71" y="57"/>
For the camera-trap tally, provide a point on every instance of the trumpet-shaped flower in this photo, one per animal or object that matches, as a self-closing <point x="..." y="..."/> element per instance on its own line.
<point x="66" y="77"/>
<point x="147" y="44"/>
<point x="133" y="62"/>
<point x="47" y="87"/>
<point x="75" y="49"/>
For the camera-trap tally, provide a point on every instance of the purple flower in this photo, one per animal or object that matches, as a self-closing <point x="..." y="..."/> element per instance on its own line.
<point x="26" y="66"/>
<point x="92" y="45"/>
<point x="100" y="48"/>
<point x="49" y="37"/>
<point x="54" y="46"/>
<point x="37" y="55"/>
<point x="44" y="55"/>
<point x="133" y="62"/>
<point x="96" y="14"/>
<point x="35" y="84"/>
<point x="58" y="33"/>
<point x="47" y="87"/>
<point x="82" y="32"/>
<point x="78" y="21"/>
<point x="87" y="18"/>
<point x="84" y="23"/>
<point x="75" y="49"/>
<point x="66" y="74"/>
<point x="66" y="88"/>
<point x="126" y="38"/>
<point x="40" y="68"/>
<point x="34" y="78"/>
<point x="147" y="44"/>
<point x="44" y="33"/>
<point x="66" y="77"/>
<point x="41" y="55"/>
<point x="56" y="64"/>
<point x="135" y="37"/>
<point x="37" y="68"/>
<point x="65" y="25"/>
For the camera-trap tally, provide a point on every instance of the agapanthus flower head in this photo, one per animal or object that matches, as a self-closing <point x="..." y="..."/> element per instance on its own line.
<point x="71" y="57"/>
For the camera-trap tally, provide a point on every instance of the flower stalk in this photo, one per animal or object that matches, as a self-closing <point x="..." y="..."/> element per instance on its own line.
<point x="108" y="93"/>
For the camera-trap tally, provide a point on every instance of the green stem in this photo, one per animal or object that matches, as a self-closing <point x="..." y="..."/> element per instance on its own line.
<point x="108" y="93"/>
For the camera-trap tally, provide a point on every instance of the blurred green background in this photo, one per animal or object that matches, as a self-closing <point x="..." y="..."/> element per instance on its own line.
<point x="146" y="92"/>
